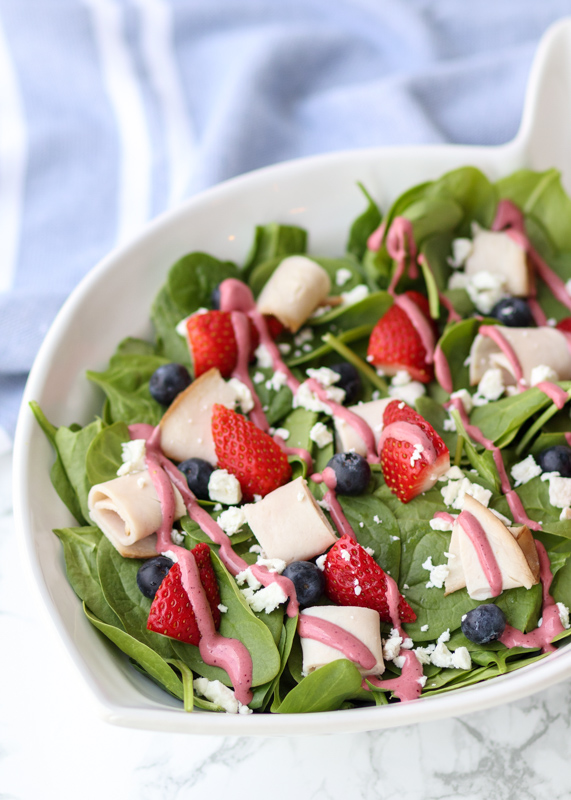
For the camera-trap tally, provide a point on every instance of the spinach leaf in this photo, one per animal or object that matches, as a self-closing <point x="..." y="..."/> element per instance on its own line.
<point x="326" y="689"/>
<point x="274" y="241"/>
<point x="469" y="187"/>
<point x="165" y="315"/>
<point x="375" y="527"/>
<point x="502" y="420"/>
<point x="366" y="312"/>
<point x="363" y="227"/>
<point x="72" y="447"/>
<point x="103" y="457"/>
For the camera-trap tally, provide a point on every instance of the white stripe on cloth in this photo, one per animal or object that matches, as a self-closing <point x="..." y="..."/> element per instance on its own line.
<point x="125" y="95"/>
<point x="158" y="52"/>
<point x="13" y="160"/>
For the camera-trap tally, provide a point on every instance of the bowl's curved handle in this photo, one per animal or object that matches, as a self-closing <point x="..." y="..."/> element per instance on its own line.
<point x="544" y="136"/>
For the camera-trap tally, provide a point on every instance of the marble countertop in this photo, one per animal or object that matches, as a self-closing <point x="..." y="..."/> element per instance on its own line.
<point x="52" y="744"/>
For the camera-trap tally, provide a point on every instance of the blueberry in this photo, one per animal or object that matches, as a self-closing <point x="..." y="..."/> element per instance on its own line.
<point x="197" y="473"/>
<point x="513" y="312"/>
<point x="308" y="579"/>
<point x="484" y="624"/>
<point x="215" y="298"/>
<point x="152" y="574"/>
<point x="350" y="381"/>
<point x="556" y="459"/>
<point x="352" y="472"/>
<point x="167" y="382"/>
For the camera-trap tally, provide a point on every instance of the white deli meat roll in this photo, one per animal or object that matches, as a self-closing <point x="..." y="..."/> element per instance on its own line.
<point x="348" y="438"/>
<point x="128" y="511"/>
<point x="293" y="292"/>
<point x="533" y="347"/>
<point x="363" y="623"/>
<point x="497" y="253"/>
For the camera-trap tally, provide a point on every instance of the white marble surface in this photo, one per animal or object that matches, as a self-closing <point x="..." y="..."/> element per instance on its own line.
<point x="52" y="744"/>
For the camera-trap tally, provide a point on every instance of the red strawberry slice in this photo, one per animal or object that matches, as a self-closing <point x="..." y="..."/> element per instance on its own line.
<point x="348" y="567"/>
<point x="396" y="345"/>
<point x="248" y="453"/>
<point x="564" y="325"/>
<point x="408" y="470"/>
<point x="171" y="611"/>
<point x="274" y="326"/>
<point x="212" y="342"/>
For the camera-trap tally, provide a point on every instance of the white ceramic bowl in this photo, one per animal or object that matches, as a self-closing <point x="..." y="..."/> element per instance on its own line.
<point x="112" y="302"/>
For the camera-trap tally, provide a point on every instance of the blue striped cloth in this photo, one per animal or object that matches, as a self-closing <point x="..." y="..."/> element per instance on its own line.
<point x="113" y="110"/>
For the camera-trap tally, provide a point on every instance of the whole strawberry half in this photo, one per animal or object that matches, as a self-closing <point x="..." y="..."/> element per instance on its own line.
<point x="407" y="473"/>
<point x="171" y="611"/>
<point x="212" y="342"/>
<point x="248" y="453"/>
<point x="395" y="344"/>
<point x="353" y="578"/>
<point x="564" y="325"/>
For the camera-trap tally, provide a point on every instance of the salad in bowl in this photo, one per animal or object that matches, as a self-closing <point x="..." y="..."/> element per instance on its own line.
<point x="331" y="482"/>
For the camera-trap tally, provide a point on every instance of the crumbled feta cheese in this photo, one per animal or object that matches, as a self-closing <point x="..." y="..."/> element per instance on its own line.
<point x="542" y="373"/>
<point x="525" y="470"/>
<point x="217" y="693"/>
<point x="325" y="505"/>
<point x="454" y="492"/>
<point x="320" y="311"/>
<point x="356" y="294"/>
<point x="424" y="628"/>
<point x="266" y="599"/>
<point x="409" y="393"/>
<point x="418" y="450"/>
<point x="283" y="433"/>
<point x="449" y="425"/>
<point x="258" y="377"/>
<point x="335" y="393"/>
<point x="325" y="376"/>
<point x="485" y="289"/>
<point x="370" y="551"/>
<point x="320" y="562"/>
<point x="560" y="492"/>
<point x="563" y="615"/>
<point x="133" y="455"/>
<point x="177" y="537"/>
<point x="442" y="657"/>
<point x="243" y="395"/>
<point x="170" y="554"/>
<point x="461" y="658"/>
<point x="304" y="335"/>
<point x="248" y="577"/>
<point x="491" y="387"/>
<point x="277" y="380"/>
<point x="321" y="435"/>
<point x="222" y="608"/>
<point x="438" y="574"/>
<point x="256" y="548"/>
<point x="401" y="378"/>
<point x="263" y="357"/>
<point x="399" y="661"/>
<point x="305" y="398"/>
<point x="231" y="520"/>
<point x="392" y="646"/>
<point x="342" y="276"/>
<point x="422" y="680"/>
<point x="423" y="653"/>
<point x="454" y="474"/>
<point x="257" y="498"/>
<point x="465" y="397"/>
<point x="181" y="327"/>
<point x="376" y="519"/>
<point x="440" y="524"/>
<point x="272" y="564"/>
<point x="284" y="348"/>
<point x="224" y="487"/>
<point x="461" y="250"/>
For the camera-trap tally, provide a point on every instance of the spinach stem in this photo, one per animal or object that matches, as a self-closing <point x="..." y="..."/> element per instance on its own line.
<point x="459" y="449"/>
<point x="357" y="362"/>
<point x="187" y="687"/>
<point x="538" y="425"/>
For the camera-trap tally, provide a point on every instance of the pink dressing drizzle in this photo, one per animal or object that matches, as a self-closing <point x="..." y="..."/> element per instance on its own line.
<point x="241" y="326"/>
<point x="511" y="495"/>
<point x="419" y="323"/>
<point x="375" y="240"/>
<point x="332" y="635"/>
<point x="444" y="515"/>
<point x="481" y="545"/>
<point x="442" y="371"/>
<point x="550" y="623"/>
<point x="339" y="519"/>
<point x="494" y="333"/>
<point x="555" y="393"/>
<point x="401" y="247"/>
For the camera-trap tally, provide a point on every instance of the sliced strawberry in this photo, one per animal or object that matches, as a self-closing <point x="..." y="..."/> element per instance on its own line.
<point x="353" y="578"/>
<point x="212" y="342"/>
<point x="407" y="470"/>
<point x="564" y="325"/>
<point x="248" y="453"/>
<point x="396" y="345"/>
<point x="275" y="327"/>
<point x="171" y="611"/>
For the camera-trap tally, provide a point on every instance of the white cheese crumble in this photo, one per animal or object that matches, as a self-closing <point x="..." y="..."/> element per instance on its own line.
<point x="439" y="524"/>
<point x="454" y="492"/>
<point x="283" y="433"/>
<point x="438" y="574"/>
<point x="491" y="387"/>
<point x="461" y="250"/>
<point x="325" y="376"/>
<point x="542" y="373"/>
<point x="304" y="335"/>
<point x="392" y="645"/>
<point x="320" y="562"/>
<point x="217" y="693"/>
<point x="284" y="348"/>
<point x="484" y="289"/>
<point x="222" y="608"/>
<point x="560" y="492"/>
<point x="466" y="398"/>
<point x="231" y="520"/>
<point x="439" y="654"/>
<point x="401" y="378"/>
<point x="424" y="628"/>
<point x="525" y="470"/>
<point x="177" y="537"/>
<point x="408" y="392"/>
<point x="263" y="357"/>
<point x="305" y="398"/>
<point x="170" y="554"/>
<point x="266" y="599"/>
<point x="342" y="276"/>
<point x="277" y="380"/>
<point x="181" y="327"/>
<point x="418" y="450"/>
<point x="356" y="294"/>
<point x="243" y="395"/>
<point x="133" y="456"/>
<point x="224" y="488"/>
<point x="321" y="435"/>
<point x="564" y="615"/>
<point x="258" y="377"/>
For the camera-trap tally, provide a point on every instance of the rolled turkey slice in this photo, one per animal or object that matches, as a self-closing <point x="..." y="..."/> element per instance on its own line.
<point x="128" y="511"/>
<point x="186" y="430"/>
<point x="498" y="253"/>
<point x="348" y="438"/>
<point x="363" y="623"/>
<point x="293" y="292"/>
<point x="514" y="552"/>
<point x="289" y="524"/>
<point x="533" y="347"/>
